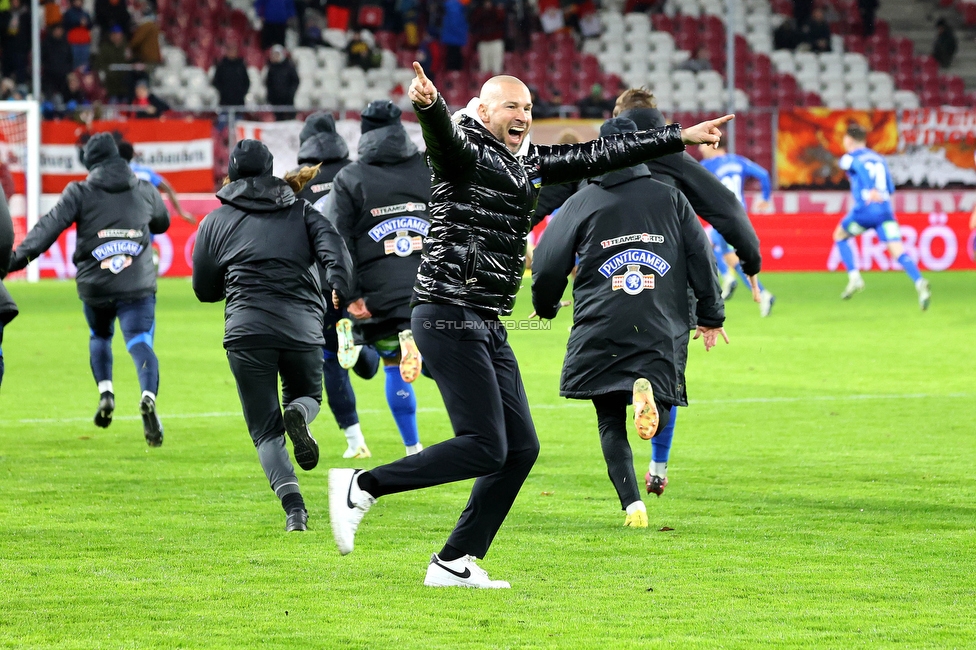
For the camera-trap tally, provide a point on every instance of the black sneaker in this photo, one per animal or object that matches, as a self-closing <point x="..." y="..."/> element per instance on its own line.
<point x="297" y="520"/>
<point x="106" y="406"/>
<point x="152" y="428"/>
<point x="305" y="447"/>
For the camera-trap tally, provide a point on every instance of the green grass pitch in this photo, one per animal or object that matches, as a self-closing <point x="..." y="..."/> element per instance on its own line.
<point x="822" y="495"/>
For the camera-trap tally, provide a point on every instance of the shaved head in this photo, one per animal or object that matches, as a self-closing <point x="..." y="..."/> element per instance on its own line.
<point x="506" y="110"/>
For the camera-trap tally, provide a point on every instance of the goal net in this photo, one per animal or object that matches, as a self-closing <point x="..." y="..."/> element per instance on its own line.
<point x="20" y="171"/>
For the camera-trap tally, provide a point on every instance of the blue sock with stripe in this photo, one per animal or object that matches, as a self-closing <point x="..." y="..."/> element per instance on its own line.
<point x="911" y="268"/>
<point x="661" y="443"/>
<point x="846" y="254"/>
<point x="403" y="405"/>
<point x="140" y="348"/>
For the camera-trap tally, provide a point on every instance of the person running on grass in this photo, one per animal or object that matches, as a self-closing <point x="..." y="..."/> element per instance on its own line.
<point x="146" y="173"/>
<point x="116" y="215"/>
<point x="320" y="145"/>
<point x="8" y="308"/>
<point x="872" y="187"/>
<point x="486" y="179"/>
<point x="637" y="245"/>
<point x="258" y="251"/>
<point x="379" y="206"/>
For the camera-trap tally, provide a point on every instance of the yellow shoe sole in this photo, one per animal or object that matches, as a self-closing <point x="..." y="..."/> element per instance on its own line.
<point x="410" y="362"/>
<point x="347" y="353"/>
<point x="645" y="411"/>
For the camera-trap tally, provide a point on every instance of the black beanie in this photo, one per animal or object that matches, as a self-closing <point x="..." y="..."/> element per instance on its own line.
<point x="98" y="149"/>
<point x="249" y="158"/>
<point x="316" y="123"/>
<point x="645" y="118"/>
<point x="380" y="113"/>
<point x="617" y="125"/>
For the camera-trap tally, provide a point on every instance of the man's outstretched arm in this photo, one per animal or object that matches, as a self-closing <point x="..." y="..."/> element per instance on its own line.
<point x="449" y="151"/>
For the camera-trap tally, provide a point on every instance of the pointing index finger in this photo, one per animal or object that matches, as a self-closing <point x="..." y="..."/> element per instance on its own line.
<point x="419" y="70"/>
<point x="722" y="120"/>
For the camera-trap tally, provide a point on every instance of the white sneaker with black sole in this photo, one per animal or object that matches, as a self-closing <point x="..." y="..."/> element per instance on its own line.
<point x="347" y="505"/>
<point x="462" y="572"/>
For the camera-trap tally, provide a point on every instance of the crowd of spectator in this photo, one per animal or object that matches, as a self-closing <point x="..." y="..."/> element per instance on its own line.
<point x="85" y="59"/>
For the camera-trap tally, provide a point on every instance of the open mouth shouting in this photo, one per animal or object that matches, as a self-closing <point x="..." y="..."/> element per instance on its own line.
<point x="515" y="135"/>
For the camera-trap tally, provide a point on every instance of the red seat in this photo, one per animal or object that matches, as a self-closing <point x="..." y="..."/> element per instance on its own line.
<point x="761" y="95"/>
<point x="953" y="97"/>
<point x="931" y="98"/>
<point x="882" y="28"/>
<point x="880" y="60"/>
<point x="954" y="84"/>
<point x="386" y="40"/>
<point x="370" y="17"/>
<point x="762" y="65"/>
<point x="905" y="80"/>
<point x="969" y="13"/>
<point x="878" y="43"/>
<point x="927" y="65"/>
<point x="810" y="99"/>
<point x="903" y="47"/>
<point x="662" y="23"/>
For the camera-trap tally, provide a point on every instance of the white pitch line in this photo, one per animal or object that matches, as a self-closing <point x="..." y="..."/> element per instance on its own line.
<point x="566" y="404"/>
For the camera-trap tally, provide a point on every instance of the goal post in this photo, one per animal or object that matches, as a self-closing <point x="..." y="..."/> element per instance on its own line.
<point x="20" y="150"/>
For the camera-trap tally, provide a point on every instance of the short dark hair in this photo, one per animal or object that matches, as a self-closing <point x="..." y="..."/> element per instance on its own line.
<point x="857" y="132"/>
<point x="634" y="98"/>
<point x="126" y="150"/>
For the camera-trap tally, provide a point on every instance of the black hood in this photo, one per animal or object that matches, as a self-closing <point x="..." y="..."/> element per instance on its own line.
<point x="99" y="149"/>
<point x="386" y="145"/>
<point x="112" y="176"/>
<point x="257" y="194"/>
<point x="250" y="158"/>
<point x="645" y="118"/>
<point x="315" y="124"/>
<point x="322" y="148"/>
<point x="622" y="176"/>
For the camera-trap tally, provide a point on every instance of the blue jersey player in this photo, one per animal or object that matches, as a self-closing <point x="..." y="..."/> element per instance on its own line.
<point x="144" y="173"/>
<point x="733" y="170"/>
<point x="872" y="188"/>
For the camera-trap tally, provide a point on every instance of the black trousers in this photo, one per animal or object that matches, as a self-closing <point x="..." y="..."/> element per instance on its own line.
<point x="611" y="419"/>
<point x="469" y="357"/>
<point x="256" y="372"/>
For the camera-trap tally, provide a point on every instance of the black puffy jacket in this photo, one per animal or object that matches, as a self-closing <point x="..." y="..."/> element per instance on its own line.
<point x="8" y="308"/>
<point x="116" y="214"/>
<point x="483" y="198"/>
<point x="259" y="250"/>
<point x="379" y="204"/>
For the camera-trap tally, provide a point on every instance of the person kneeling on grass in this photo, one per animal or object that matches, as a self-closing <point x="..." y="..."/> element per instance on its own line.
<point x="637" y="245"/>
<point x="259" y="251"/>
<point x="116" y="214"/>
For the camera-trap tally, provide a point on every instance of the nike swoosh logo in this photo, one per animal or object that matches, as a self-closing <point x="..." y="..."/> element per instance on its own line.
<point x="349" y="502"/>
<point x="464" y="575"/>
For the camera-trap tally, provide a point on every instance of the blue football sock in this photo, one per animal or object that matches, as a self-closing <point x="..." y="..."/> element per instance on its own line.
<point x="100" y="356"/>
<point x="723" y="268"/>
<point x="147" y="365"/>
<point x="661" y="443"/>
<point x="338" y="391"/>
<point x="911" y="268"/>
<point x="403" y="405"/>
<point x="846" y="254"/>
<point x="745" y="278"/>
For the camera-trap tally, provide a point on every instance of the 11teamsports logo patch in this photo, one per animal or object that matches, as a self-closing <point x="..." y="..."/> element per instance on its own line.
<point x="633" y="280"/>
<point x="117" y="255"/>
<point x="402" y="243"/>
<point x="631" y="239"/>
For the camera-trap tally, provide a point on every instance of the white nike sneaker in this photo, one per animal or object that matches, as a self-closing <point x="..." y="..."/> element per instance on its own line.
<point x="462" y="572"/>
<point x="854" y="285"/>
<point x="359" y="451"/>
<point x="348" y="353"/>
<point x="728" y="283"/>
<point x="766" y="302"/>
<point x="347" y="505"/>
<point x="924" y="294"/>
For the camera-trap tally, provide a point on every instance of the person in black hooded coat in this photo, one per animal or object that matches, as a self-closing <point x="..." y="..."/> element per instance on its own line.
<point x="320" y="144"/>
<point x="8" y="308"/>
<point x="116" y="215"/>
<point x="638" y="246"/>
<point x="259" y="251"/>
<point x="379" y="204"/>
